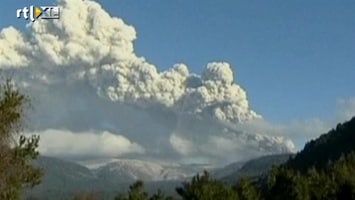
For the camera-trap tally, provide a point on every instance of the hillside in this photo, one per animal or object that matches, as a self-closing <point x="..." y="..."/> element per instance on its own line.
<point x="257" y="167"/>
<point x="327" y="148"/>
<point x="133" y="169"/>
<point x="64" y="178"/>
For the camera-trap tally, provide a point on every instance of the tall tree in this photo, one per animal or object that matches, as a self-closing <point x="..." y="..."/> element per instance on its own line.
<point x="16" y="151"/>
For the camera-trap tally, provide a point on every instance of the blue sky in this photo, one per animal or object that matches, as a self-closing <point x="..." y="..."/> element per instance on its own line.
<point x="294" y="58"/>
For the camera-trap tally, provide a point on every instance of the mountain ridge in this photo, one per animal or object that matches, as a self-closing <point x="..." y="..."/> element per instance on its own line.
<point x="63" y="177"/>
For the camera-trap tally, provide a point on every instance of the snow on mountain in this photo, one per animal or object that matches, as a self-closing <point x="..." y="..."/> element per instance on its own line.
<point x="132" y="169"/>
<point x="63" y="177"/>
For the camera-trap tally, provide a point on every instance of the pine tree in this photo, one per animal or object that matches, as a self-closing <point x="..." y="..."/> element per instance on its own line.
<point x="16" y="155"/>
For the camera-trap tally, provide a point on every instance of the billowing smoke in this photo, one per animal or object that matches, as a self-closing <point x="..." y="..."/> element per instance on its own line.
<point x="83" y="76"/>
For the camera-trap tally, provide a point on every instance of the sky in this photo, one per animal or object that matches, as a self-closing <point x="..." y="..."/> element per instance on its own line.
<point x="294" y="59"/>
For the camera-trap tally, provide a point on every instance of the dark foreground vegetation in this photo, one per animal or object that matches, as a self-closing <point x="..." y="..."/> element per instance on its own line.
<point x="16" y="151"/>
<point x="324" y="169"/>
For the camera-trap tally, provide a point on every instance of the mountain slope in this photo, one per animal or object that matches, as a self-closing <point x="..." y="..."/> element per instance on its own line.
<point x="131" y="170"/>
<point x="61" y="178"/>
<point x="227" y="170"/>
<point x="327" y="148"/>
<point x="256" y="167"/>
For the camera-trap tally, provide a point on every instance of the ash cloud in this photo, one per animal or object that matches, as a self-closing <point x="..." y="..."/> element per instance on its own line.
<point x="83" y="76"/>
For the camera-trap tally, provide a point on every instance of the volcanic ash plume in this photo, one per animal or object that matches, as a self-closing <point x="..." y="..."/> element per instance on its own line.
<point x="84" y="65"/>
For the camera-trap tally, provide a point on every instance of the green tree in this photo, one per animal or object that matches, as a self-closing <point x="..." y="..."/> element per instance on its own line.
<point x="16" y="151"/>
<point x="284" y="184"/>
<point x="136" y="192"/>
<point x="205" y="188"/>
<point x="159" y="195"/>
<point x="246" y="190"/>
<point x="344" y="170"/>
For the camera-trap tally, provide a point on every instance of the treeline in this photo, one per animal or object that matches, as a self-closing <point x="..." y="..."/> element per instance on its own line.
<point x="336" y="181"/>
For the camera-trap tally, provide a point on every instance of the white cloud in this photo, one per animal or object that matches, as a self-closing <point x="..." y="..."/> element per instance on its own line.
<point x="82" y="74"/>
<point x="181" y="145"/>
<point x="64" y="143"/>
<point x="346" y="109"/>
<point x="312" y="128"/>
